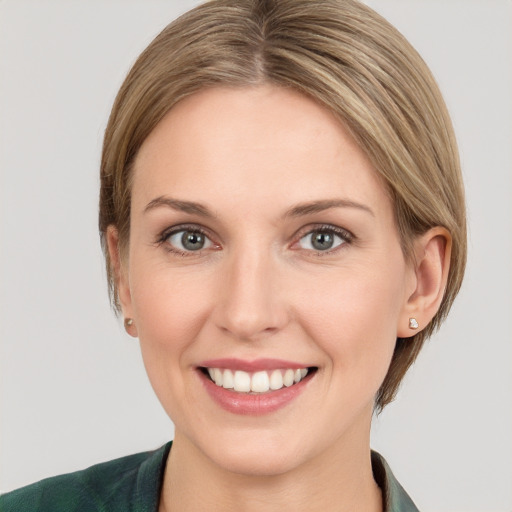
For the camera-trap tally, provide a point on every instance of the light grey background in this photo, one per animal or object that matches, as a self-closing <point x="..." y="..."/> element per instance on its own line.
<point x="73" y="387"/>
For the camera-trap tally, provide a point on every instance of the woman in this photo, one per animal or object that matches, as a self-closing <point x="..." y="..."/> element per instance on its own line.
<point x="282" y="215"/>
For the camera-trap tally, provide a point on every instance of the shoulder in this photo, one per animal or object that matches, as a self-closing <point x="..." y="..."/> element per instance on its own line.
<point x="128" y="483"/>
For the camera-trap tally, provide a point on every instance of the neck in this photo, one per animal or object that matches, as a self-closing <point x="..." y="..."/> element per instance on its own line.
<point x="340" y="479"/>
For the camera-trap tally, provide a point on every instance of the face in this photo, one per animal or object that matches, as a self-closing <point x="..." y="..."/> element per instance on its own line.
<point x="263" y="256"/>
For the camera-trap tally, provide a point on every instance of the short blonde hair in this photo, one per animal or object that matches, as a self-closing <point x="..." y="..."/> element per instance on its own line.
<point x="347" y="58"/>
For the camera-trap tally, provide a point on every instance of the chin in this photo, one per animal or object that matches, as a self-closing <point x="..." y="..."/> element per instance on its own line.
<point x="256" y="454"/>
<point x="259" y="463"/>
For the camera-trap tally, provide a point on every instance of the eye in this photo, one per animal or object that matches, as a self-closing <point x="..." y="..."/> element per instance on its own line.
<point x="323" y="240"/>
<point x="188" y="240"/>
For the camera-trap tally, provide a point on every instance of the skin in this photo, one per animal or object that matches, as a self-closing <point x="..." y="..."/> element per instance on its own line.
<point x="258" y="289"/>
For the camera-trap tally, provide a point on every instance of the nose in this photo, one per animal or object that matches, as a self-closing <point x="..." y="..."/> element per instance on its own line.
<point x="251" y="302"/>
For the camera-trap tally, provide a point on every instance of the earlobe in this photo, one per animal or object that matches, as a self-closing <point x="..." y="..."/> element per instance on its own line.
<point x="432" y="262"/>
<point x="121" y="279"/>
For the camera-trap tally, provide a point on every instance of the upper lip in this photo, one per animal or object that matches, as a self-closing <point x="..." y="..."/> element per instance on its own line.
<point x="252" y="366"/>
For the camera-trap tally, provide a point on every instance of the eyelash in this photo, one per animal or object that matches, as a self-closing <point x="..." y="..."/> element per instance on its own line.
<point x="346" y="236"/>
<point x="163" y="239"/>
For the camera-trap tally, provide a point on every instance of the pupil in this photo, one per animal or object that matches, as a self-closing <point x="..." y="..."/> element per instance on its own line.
<point x="322" y="241"/>
<point x="192" y="241"/>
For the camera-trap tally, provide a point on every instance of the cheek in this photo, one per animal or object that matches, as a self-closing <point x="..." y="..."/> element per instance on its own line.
<point x="354" y="319"/>
<point x="170" y="310"/>
<point x="169" y="306"/>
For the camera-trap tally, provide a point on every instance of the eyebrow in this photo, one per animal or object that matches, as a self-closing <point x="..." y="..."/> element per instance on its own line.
<point x="325" y="204"/>
<point x="180" y="205"/>
<point x="299" y="210"/>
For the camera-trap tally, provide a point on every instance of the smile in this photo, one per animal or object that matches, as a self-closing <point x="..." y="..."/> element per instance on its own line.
<point x="255" y="387"/>
<point x="257" y="382"/>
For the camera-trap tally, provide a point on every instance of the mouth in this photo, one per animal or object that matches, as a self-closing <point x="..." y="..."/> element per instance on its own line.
<point x="256" y="382"/>
<point x="257" y="387"/>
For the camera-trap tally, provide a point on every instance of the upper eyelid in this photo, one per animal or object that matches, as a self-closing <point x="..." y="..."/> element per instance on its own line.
<point x="300" y="233"/>
<point x="184" y="227"/>
<point x="306" y="230"/>
<point x="163" y="239"/>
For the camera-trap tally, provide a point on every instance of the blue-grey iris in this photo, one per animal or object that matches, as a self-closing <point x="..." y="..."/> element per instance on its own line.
<point x="322" y="241"/>
<point x="192" y="241"/>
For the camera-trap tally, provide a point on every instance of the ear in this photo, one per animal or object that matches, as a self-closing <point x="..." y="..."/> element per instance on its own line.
<point x="121" y="279"/>
<point x="432" y="253"/>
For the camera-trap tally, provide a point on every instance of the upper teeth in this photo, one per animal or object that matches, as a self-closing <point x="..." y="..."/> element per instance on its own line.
<point x="258" y="382"/>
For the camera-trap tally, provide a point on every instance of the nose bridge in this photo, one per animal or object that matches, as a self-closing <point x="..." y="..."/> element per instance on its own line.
<point x="251" y="303"/>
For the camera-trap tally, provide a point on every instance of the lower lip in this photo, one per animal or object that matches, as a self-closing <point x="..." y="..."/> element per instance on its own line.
<point x="253" y="404"/>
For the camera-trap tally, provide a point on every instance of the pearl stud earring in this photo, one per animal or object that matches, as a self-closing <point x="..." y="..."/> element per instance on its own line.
<point x="413" y="323"/>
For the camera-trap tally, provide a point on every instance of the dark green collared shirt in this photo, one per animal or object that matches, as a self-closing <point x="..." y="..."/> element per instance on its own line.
<point x="133" y="483"/>
<point x="394" y="495"/>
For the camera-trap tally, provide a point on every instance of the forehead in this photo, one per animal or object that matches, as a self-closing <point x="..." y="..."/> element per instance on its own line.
<point x="259" y="143"/>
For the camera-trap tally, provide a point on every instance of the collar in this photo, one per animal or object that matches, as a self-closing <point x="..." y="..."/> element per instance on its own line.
<point x="394" y="495"/>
